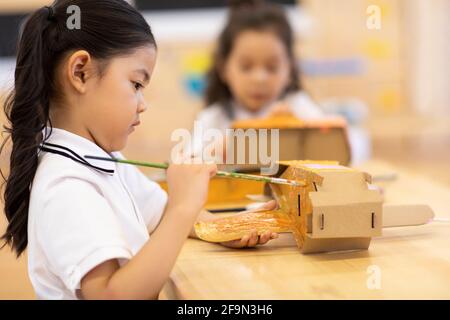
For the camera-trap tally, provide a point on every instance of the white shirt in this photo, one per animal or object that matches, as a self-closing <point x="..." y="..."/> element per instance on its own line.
<point x="81" y="216"/>
<point x="215" y="116"/>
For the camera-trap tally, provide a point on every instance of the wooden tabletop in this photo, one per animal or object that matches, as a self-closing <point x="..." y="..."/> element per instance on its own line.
<point x="406" y="262"/>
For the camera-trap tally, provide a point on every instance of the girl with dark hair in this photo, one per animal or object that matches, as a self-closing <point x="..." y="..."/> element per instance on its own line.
<point x="79" y="91"/>
<point x="254" y="72"/>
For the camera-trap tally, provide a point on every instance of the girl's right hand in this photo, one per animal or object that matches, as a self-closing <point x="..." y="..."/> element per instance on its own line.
<point x="188" y="186"/>
<point x="280" y="109"/>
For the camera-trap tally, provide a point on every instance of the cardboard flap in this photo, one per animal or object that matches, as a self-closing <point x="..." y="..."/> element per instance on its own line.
<point x="346" y="221"/>
<point x="326" y="198"/>
<point x="290" y="121"/>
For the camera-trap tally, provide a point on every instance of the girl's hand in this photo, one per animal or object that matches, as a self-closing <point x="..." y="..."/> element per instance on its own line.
<point x="280" y="109"/>
<point x="252" y="239"/>
<point x="188" y="186"/>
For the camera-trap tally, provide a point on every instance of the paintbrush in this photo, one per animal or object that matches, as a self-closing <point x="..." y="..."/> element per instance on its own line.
<point x="225" y="174"/>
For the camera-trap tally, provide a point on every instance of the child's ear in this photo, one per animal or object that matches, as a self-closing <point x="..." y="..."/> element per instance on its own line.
<point x="78" y="69"/>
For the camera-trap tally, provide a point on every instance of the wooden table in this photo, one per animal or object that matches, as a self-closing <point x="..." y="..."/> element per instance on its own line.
<point x="413" y="262"/>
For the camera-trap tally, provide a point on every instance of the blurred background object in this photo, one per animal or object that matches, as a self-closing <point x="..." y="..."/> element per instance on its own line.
<point x="391" y="83"/>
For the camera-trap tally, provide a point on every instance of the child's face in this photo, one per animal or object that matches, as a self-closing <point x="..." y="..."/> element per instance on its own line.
<point x="117" y="98"/>
<point x="258" y="69"/>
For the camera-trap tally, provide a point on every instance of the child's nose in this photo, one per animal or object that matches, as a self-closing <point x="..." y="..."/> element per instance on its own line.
<point x="142" y="106"/>
<point x="260" y="75"/>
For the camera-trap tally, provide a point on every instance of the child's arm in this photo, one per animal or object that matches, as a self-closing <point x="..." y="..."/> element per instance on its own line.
<point x="249" y="240"/>
<point x="145" y="274"/>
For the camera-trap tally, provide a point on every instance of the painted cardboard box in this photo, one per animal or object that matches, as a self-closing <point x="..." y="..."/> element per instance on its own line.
<point x="334" y="210"/>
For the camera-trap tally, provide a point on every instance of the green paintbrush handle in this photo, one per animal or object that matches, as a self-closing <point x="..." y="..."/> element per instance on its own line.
<point x="219" y="173"/>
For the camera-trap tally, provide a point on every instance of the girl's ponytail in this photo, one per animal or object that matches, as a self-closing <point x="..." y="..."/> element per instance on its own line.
<point x="27" y="111"/>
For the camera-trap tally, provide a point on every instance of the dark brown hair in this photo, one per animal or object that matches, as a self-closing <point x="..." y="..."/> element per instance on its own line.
<point x="108" y="28"/>
<point x="248" y="15"/>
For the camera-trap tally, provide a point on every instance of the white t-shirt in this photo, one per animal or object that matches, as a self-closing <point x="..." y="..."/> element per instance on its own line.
<point x="81" y="216"/>
<point x="215" y="116"/>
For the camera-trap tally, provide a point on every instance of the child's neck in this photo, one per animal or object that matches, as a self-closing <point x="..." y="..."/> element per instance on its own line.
<point x="67" y="121"/>
<point x="245" y="111"/>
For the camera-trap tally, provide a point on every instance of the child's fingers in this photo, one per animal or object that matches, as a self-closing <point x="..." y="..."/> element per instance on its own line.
<point x="270" y="205"/>
<point x="253" y="239"/>
<point x="244" y="241"/>
<point x="264" y="237"/>
<point x="236" y="244"/>
<point x="212" y="169"/>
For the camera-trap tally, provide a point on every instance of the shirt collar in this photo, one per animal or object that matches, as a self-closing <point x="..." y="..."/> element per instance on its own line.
<point x="77" y="147"/>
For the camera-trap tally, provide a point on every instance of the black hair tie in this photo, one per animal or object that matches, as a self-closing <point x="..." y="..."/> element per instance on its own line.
<point x="51" y="13"/>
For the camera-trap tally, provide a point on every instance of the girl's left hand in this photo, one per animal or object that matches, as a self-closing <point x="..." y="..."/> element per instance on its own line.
<point x="252" y="239"/>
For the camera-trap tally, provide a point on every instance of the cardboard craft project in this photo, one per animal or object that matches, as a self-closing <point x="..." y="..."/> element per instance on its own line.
<point x="322" y="139"/>
<point x="335" y="210"/>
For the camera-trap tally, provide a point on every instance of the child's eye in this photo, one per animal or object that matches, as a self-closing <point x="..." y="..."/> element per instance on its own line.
<point x="272" y="68"/>
<point x="137" y="85"/>
<point x="245" y="67"/>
